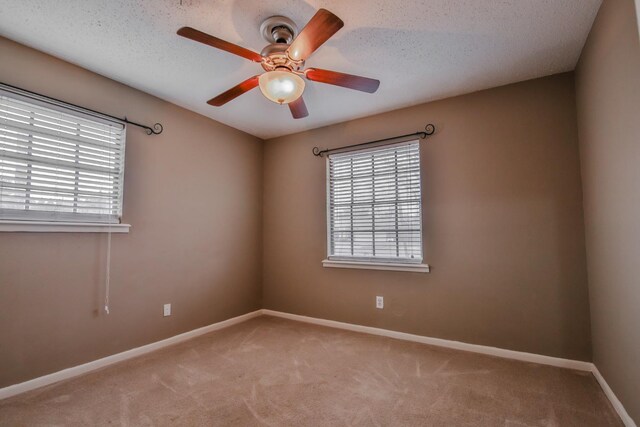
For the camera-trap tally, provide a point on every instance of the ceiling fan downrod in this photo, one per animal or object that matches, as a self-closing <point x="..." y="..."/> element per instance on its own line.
<point x="278" y="29"/>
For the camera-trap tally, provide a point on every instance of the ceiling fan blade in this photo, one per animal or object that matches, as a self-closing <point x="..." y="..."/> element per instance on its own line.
<point x="350" y="81"/>
<point x="318" y="30"/>
<point x="298" y="108"/>
<point x="201" y="37"/>
<point x="234" y="92"/>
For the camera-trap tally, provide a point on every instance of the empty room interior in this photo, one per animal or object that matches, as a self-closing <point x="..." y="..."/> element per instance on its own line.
<point x="319" y="213"/>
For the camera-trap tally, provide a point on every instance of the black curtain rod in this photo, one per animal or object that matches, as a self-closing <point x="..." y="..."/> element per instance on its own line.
<point x="155" y="130"/>
<point x="428" y="130"/>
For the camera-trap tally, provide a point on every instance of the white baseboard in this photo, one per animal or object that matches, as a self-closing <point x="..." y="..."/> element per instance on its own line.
<point x="617" y="405"/>
<point x="475" y="348"/>
<point x="74" y="371"/>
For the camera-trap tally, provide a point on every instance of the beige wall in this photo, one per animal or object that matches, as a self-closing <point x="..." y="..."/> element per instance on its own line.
<point x="608" y="94"/>
<point x="193" y="198"/>
<point x="503" y="226"/>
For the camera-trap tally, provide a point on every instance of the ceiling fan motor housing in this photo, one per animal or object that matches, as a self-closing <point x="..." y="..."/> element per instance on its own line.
<point x="279" y="31"/>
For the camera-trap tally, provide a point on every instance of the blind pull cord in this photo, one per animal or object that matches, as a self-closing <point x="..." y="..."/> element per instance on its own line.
<point x="108" y="275"/>
<point x="107" y="284"/>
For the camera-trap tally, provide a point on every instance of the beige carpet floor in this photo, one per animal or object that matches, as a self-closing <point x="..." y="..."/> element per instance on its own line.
<point x="276" y="372"/>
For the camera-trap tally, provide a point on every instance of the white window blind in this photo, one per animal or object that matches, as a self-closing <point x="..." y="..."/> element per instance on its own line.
<point x="374" y="204"/>
<point x="58" y="164"/>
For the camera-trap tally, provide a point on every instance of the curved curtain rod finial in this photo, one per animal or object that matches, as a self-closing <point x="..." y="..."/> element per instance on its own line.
<point x="157" y="129"/>
<point x="430" y="129"/>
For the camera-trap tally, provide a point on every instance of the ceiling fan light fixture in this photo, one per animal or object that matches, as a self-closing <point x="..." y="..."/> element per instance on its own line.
<point x="281" y="87"/>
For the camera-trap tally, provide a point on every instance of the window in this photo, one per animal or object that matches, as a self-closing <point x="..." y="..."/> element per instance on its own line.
<point x="374" y="205"/>
<point x="58" y="164"/>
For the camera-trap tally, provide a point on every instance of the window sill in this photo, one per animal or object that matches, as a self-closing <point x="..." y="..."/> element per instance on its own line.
<point x="366" y="265"/>
<point x="61" y="227"/>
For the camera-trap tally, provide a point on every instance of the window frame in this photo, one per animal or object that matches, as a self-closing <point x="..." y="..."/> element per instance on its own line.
<point x="41" y="221"/>
<point x="371" y="263"/>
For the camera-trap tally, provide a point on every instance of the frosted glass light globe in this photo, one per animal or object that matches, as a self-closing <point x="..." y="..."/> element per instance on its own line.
<point x="281" y="87"/>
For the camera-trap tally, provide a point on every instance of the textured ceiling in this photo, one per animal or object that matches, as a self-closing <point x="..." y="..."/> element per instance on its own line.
<point x="419" y="50"/>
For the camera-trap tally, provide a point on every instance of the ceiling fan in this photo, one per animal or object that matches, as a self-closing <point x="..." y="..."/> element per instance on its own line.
<point x="283" y="61"/>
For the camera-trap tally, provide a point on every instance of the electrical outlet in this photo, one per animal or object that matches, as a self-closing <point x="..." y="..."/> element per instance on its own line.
<point x="167" y="310"/>
<point x="379" y="302"/>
